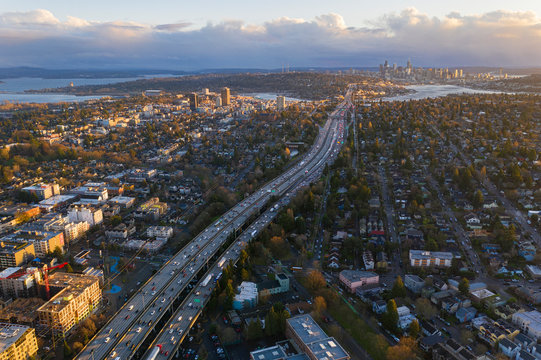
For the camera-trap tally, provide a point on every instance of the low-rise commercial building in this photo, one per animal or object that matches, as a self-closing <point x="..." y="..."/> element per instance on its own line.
<point x="312" y="340"/>
<point x="352" y="279"/>
<point x="152" y="209"/>
<point x="124" y="202"/>
<point x="17" y="342"/>
<point x="80" y="295"/>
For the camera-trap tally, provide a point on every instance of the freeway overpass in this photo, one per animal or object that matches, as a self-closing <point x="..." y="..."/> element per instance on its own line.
<point x="161" y="294"/>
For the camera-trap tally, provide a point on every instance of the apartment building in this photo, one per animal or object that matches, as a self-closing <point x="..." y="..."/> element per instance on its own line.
<point x="423" y="258"/>
<point x="44" y="241"/>
<point x="16" y="282"/>
<point x="17" y="342"/>
<point x="92" y="216"/>
<point x="79" y="296"/>
<point x="43" y="191"/>
<point x="163" y="232"/>
<point x="16" y="254"/>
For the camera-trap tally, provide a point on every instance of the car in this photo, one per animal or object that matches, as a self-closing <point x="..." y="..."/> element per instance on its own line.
<point x="107" y="339"/>
<point x="130" y="308"/>
<point x="163" y="300"/>
<point x="153" y="312"/>
<point x="138" y="330"/>
<point x="153" y="293"/>
<point x="127" y="317"/>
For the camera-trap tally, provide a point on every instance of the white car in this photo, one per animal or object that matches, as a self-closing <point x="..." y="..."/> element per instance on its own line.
<point x="130" y="308"/>
<point x="153" y="312"/>
<point x="138" y="330"/>
<point x="107" y="339"/>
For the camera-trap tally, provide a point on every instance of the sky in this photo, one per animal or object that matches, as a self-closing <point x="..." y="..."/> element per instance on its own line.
<point x="191" y="35"/>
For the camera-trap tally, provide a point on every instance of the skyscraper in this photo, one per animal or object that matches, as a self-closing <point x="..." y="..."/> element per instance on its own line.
<point x="226" y="96"/>
<point x="218" y="101"/>
<point x="280" y="102"/>
<point x="193" y="101"/>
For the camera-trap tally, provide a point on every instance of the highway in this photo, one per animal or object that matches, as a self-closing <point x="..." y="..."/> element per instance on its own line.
<point x="144" y="309"/>
<point x="174" y="332"/>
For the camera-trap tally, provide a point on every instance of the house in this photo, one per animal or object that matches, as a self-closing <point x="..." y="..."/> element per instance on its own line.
<point x="414" y="283"/>
<point x="368" y="260"/>
<point x="525" y="342"/>
<point x="465" y="314"/>
<point x="472" y="221"/>
<point x="524" y="355"/>
<point x="428" y="342"/>
<point x="379" y="306"/>
<point x="527" y="250"/>
<point x="491" y="248"/>
<point x="508" y="348"/>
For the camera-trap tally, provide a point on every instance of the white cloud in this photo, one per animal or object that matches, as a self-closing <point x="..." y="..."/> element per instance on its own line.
<point x="38" y="38"/>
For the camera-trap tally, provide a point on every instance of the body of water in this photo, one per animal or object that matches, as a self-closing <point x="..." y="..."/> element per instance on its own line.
<point x="270" y="96"/>
<point x="14" y="89"/>
<point x="433" y="91"/>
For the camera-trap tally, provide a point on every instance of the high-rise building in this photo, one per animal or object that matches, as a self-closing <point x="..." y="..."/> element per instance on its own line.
<point x="280" y="102"/>
<point x="226" y="96"/>
<point x="17" y="342"/>
<point x="194" y="103"/>
<point x="218" y="101"/>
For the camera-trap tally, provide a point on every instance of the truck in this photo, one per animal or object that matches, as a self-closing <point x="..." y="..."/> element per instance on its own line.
<point x="206" y="281"/>
<point x="221" y="262"/>
<point x="155" y="352"/>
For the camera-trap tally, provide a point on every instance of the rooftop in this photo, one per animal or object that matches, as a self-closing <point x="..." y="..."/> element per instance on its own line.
<point x="356" y="275"/>
<point x="74" y="285"/>
<point x="270" y="353"/>
<point x="9" y="334"/>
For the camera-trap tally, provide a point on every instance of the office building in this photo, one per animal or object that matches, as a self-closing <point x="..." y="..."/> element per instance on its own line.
<point x="78" y="297"/>
<point x="423" y="258"/>
<point x="16" y="282"/>
<point x="312" y="340"/>
<point x="194" y="101"/>
<point x="17" y="342"/>
<point x="226" y="96"/>
<point x="280" y="103"/>
<point x="43" y="191"/>
<point x="16" y="254"/>
<point x="218" y="101"/>
<point x="353" y="279"/>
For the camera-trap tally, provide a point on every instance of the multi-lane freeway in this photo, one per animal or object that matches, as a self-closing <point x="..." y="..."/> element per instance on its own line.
<point x="127" y="330"/>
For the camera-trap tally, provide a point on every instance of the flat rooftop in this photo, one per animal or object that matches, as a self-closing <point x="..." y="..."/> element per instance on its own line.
<point x="328" y="349"/>
<point x="9" y="334"/>
<point x="270" y="353"/>
<point x="74" y="285"/>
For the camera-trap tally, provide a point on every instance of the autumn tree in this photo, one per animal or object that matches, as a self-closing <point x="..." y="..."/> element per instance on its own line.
<point x="398" y="290"/>
<point x="315" y="280"/>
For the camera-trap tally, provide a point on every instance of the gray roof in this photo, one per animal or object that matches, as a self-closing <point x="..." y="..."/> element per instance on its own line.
<point x="270" y="353"/>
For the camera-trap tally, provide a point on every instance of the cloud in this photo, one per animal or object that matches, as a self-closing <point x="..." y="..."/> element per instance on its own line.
<point x="38" y="38"/>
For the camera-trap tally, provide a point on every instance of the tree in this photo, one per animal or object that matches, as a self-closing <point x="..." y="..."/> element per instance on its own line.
<point x="244" y="274"/>
<point x="320" y="305"/>
<point x="464" y="286"/>
<point x="390" y="318"/>
<point x="254" y="330"/>
<point x="398" y="290"/>
<point x="404" y="350"/>
<point x="315" y="280"/>
<point x="478" y="199"/>
<point x="414" y="329"/>
<point x="425" y="309"/>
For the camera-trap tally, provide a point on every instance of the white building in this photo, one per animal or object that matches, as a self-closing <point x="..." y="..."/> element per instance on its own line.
<point x="247" y="296"/>
<point x="75" y="230"/>
<point x="43" y="191"/>
<point x="529" y="323"/>
<point x="90" y="215"/>
<point x="160" y="232"/>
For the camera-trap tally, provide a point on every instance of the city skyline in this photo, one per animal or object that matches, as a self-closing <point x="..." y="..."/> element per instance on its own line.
<point x="67" y="37"/>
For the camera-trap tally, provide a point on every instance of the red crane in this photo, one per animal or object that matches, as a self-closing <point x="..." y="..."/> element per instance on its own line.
<point x="16" y="274"/>
<point x="45" y="272"/>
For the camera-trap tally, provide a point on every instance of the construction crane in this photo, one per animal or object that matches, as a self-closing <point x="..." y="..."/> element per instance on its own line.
<point x="45" y="271"/>
<point x="15" y="275"/>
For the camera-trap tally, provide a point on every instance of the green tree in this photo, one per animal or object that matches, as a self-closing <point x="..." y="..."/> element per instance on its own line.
<point x="464" y="286"/>
<point x="398" y="290"/>
<point x="254" y="330"/>
<point x="478" y="199"/>
<point x="390" y="318"/>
